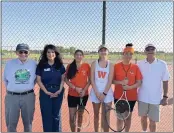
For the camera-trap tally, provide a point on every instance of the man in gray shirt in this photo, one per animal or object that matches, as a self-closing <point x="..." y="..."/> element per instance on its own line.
<point x="19" y="79"/>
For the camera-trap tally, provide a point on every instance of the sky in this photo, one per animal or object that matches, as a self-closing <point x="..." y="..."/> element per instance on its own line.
<point x="79" y="24"/>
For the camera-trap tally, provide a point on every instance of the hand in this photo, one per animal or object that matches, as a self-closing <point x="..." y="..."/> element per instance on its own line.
<point x="164" y="102"/>
<point x="82" y="93"/>
<point x="48" y="93"/>
<point x="126" y="87"/>
<point x="55" y="94"/>
<point x="125" y="81"/>
<point x="102" y="97"/>
<point x="79" y="90"/>
<point x="98" y="94"/>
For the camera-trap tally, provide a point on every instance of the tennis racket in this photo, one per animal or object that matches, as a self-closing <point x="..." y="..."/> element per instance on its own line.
<point x="81" y="116"/>
<point x="122" y="107"/>
<point x="111" y="116"/>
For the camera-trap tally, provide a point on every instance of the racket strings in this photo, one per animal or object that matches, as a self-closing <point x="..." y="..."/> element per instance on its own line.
<point x="122" y="106"/>
<point x="122" y="109"/>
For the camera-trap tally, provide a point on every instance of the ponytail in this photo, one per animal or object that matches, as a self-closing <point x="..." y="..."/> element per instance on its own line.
<point x="72" y="70"/>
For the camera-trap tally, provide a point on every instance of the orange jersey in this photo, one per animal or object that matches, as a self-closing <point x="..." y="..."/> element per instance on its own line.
<point x="80" y="80"/>
<point x="133" y="74"/>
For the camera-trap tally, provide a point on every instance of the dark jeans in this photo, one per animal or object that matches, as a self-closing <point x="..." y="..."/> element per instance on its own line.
<point x="50" y="110"/>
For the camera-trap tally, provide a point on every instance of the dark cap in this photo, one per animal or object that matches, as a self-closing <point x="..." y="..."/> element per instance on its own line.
<point x="22" y="46"/>
<point x="150" y="45"/>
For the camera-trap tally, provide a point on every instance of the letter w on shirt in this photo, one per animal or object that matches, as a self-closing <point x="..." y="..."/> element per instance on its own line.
<point x="101" y="74"/>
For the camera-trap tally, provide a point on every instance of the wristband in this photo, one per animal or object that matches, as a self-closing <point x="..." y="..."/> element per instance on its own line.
<point x="165" y="96"/>
<point x="104" y="93"/>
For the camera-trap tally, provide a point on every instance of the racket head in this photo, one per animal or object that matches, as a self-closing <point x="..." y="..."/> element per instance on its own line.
<point x="113" y="120"/>
<point x="81" y="117"/>
<point x="122" y="108"/>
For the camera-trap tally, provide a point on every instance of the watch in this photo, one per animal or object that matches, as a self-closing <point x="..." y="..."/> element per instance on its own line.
<point x="165" y="96"/>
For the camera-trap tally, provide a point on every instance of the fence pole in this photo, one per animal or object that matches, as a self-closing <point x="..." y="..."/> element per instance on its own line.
<point x="104" y="23"/>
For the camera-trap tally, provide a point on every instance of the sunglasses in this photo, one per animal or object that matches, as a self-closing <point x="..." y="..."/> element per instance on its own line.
<point x="23" y="52"/>
<point x="150" y="49"/>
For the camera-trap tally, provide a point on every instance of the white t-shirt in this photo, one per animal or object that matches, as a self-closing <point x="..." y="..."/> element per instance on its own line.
<point x="153" y="74"/>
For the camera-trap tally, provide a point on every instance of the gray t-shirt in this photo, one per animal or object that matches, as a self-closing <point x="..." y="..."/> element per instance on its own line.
<point x="18" y="76"/>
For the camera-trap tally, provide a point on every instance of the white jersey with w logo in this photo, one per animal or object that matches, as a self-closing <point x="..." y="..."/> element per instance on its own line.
<point x="101" y="80"/>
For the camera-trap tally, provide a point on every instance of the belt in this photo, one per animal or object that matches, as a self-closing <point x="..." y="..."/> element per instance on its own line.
<point x="22" y="93"/>
<point x="52" y="86"/>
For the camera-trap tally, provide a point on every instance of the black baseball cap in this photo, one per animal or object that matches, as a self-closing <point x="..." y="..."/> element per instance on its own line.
<point x="22" y="46"/>
<point x="150" y="45"/>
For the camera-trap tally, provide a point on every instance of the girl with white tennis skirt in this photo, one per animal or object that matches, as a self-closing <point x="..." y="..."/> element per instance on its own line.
<point x="102" y="72"/>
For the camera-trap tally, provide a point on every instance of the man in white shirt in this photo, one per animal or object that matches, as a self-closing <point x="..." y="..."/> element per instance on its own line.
<point x="154" y="88"/>
<point x="19" y="79"/>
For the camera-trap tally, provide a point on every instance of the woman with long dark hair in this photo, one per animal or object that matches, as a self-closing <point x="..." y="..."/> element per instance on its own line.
<point x="77" y="78"/>
<point x="50" y="78"/>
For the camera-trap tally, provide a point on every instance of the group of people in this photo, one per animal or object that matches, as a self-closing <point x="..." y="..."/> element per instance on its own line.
<point x="145" y="83"/>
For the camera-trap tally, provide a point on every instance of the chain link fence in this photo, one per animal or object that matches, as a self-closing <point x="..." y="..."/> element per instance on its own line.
<point x="78" y="25"/>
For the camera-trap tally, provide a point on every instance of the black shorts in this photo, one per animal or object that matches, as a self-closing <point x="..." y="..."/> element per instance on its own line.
<point x="73" y="102"/>
<point x="131" y="103"/>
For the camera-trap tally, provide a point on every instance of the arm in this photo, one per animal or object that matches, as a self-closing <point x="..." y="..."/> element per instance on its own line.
<point x="4" y="75"/>
<point x="165" y="88"/>
<point x="39" y="82"/>
<point x="61" y="84"/>
<point x="110" y="79"/>
<point x="89" y="81"/>
<point x="117" y="82"/>
<point x="69" y="83"/>
<point x="87" y="85"/>
<point x="166" y="77"/>
<point x="134" y="86"/>
<point x="93" y="79"/>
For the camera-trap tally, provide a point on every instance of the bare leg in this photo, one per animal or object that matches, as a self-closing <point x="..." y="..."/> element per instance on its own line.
<point x="71" y="118"/>
<point x="152" y="126"/>
<point x="144" y="123"/>
<point x="96" y="108"/>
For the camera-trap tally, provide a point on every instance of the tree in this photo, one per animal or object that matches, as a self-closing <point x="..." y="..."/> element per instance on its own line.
<point x="60" y="48"/>
<point x="72" y="50"/>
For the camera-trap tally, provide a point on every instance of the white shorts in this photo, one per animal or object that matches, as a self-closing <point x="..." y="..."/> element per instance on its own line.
<point x="109" y="97"/>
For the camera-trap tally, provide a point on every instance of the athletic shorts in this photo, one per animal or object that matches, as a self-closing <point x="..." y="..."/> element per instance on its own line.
<point x="150" y="110"/>
<point x="109" y="97"/>
<point x="131" y="103"/>
<point x="74" y="102"/>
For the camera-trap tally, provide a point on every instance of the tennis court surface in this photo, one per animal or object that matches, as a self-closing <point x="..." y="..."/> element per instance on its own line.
<point x="166" y="124"/>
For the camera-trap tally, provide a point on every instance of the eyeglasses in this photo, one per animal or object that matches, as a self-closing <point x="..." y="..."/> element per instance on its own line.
<point x="23" y="52"/>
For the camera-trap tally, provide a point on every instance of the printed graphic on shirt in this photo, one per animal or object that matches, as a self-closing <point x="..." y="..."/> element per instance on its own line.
<point x="22" y="76"/>
<point x="101" y="74"/>
<point x="84" y="72"/>
<point x="131" y="72"/>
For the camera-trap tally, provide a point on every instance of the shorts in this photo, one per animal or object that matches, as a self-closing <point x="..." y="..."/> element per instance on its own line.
<point x="131" y="103"/>
<point x="150" y="110"/>
<point x="74" y="102"/>
<point x="109" y="97"/>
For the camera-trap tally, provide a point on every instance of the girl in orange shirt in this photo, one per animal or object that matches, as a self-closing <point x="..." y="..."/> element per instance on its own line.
<point x="77" y="78"/>
<point x="127" y="76"/>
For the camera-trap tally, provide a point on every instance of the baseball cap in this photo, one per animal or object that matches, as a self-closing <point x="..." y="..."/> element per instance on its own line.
<point x="22" y="46"/>
<point x="102" y="46"/>
<point x="150" y="45"/>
